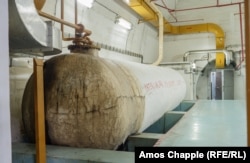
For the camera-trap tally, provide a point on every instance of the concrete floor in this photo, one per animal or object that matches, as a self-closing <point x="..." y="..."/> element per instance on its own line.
<point x="23" y="152"/>
<point x="206" y="123"/>
<point x="210" y="123"/>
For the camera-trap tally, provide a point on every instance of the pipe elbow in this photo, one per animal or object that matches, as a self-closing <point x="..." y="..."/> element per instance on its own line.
<point x="39" y="4"/>
<point x="185" y="56"/>
<point x="219" y="34"/>
<point x="216" y="29"/>
<point x="227" y="55"/>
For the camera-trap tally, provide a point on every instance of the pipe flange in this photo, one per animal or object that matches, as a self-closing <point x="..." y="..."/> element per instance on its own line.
<point x="82" y="48"/>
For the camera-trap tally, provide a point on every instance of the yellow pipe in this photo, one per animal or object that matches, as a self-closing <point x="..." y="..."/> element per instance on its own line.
<point x="143" y="9"/>
<point x="220" y="60"/>
<point x="201" y="28"/>
<point x="219" y="34"/>
<point x="150" y="15"/>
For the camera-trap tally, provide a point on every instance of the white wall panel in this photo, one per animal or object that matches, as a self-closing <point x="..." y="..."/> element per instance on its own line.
<point x="176" y="46"/>
<point x="100" y="19"/>
<point x="227" y="17"/>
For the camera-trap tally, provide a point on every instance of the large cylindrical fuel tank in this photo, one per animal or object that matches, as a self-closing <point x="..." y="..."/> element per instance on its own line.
<point x="94" y="102"/>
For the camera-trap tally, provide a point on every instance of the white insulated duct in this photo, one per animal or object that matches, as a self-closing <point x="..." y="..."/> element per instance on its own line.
<point x="226" y="52"/>
<point x="28" y="33"/>
<point x="161" y="31"/>
<point x="93" y="102"/>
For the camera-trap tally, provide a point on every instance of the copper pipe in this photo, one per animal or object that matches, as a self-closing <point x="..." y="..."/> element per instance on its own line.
<point x="76" y="9"/>
<point x="196" y="8"/>
<point x="76" y="21"/>
<point x="81" y="27"/>
<point x="86" y="33"/>
<point x="168" y="11"/>
<point x="39" y="4"/>
<point x="241" y="34"/>
<point x="77" y="27"/>
<point x="62" y="25"/>
<point x="62" y="17"/>
<point x="247" y="42"/>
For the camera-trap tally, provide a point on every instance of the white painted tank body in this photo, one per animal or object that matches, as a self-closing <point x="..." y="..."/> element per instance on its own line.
<point x="97" y="103"/>
<point x="163" y="88"/>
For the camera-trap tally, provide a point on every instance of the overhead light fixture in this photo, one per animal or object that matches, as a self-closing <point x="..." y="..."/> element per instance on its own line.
<point x="87" y="3"/>
<point x="124" y="23"/>
<point x="126" y="1"/>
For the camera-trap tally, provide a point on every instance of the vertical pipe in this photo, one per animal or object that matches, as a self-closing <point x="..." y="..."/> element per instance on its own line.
<point x="241" y="35"/>
<point x="78" y="28"/>
<point x="242" y="42"/>
<point x="161" y="31"/>
<point x="76" y="18"/>
<point x="62" y="17"/>
<point x="247" y="46"/>
<point x="76" y="14"/>
<point x="39" y="111"/>
<point x="194" y="89"/>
